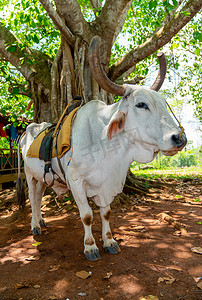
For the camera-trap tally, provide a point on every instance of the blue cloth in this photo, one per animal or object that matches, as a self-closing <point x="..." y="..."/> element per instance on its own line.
<point x="13" y="131"/>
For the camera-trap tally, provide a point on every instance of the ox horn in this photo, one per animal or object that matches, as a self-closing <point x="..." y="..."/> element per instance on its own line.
<point x="97" y="70"/>
<point x="106" y="83"/>
<point x="161" y="74"/>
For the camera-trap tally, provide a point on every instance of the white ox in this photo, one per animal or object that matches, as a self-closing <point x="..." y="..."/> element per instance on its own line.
<point x="106" y="139"/>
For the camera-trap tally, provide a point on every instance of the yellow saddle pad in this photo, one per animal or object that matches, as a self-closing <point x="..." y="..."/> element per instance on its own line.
<point x="63" y="139"/>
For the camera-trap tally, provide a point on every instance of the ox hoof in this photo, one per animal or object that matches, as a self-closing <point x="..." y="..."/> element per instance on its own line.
<point x="42" y="223"/>
<point x="36" y="230"/>
<point x="92" y="255"/>
<point x="113" y="249"/>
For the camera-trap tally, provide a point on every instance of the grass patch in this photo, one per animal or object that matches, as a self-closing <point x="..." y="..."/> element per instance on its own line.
<point x="175" y="173"/>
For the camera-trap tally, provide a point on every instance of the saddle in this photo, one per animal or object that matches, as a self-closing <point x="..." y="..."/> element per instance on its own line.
<point x="54" y="141"/>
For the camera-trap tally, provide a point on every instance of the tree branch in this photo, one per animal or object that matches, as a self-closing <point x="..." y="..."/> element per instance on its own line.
<point x="109" y="18"/>
<point x="31" y="63"/>
<point x="122" y="19"/>
<point x="109" y="24"/>
<point x="158" y="40"/>
<point x="7" y="39"/>
<point x="58" y="21"/>
<point x="70" y="11"/>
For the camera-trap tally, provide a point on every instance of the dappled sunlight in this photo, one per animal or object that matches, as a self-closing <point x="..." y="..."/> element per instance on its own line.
<point x="182" y="251"/>
<point x="161" y="246"/>
<point x="128" y="284"/>
<point x="19" y="251"/>
<point x="61" y="287"/>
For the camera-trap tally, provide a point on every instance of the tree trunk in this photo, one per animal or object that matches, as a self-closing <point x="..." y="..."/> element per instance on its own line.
<point x="71" y="77"/>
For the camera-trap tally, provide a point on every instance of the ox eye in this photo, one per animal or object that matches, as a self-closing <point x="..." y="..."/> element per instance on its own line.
<point x="142" y="105"/>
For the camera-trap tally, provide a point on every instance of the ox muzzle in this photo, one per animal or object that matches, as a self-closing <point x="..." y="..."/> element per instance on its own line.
<point x="179" y="141"/>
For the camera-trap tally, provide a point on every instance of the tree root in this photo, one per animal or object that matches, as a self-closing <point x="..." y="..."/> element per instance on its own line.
<point x="174" y="223"/>
<point x="122" y="199"/>
<point x="131" y="189"/>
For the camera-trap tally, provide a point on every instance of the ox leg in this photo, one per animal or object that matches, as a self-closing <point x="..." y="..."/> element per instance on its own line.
<point x="90" y="248"/>
<point x="35" y="195"/>
<point x="110" y="245"/>
<point x="40" y="191"/>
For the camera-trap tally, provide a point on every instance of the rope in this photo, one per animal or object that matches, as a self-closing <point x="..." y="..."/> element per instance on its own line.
<point x="60" y="120"/>
<point x="181" y="128"/>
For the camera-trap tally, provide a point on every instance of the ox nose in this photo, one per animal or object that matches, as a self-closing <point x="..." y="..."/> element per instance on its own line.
<point x="179" y="141"/>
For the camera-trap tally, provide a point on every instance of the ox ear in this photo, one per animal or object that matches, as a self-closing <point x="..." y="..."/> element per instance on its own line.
<point x="116" y="124"/>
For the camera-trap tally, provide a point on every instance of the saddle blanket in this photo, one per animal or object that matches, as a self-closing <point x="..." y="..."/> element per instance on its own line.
<point x="63" y="139"/>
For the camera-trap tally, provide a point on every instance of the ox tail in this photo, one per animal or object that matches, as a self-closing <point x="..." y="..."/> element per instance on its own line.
<point x="21" y="198"/>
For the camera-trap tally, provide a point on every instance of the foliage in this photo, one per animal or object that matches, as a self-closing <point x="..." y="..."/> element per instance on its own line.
<point x="174" y="173"/>
<point x="30" y="24"/>
<point x="4" y="143"/>
<point x="10" y="100"/>
<point x="186" y="56"/>
<point x="185" y="158"/>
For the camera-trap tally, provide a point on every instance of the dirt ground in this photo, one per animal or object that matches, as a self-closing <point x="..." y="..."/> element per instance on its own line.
<point x="156" y="257"/>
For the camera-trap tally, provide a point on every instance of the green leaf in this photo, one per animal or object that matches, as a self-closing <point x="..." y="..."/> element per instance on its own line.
<point x="185" y="13"/>
<point x="197" y="51"/>
<point x="199" y="223"/>
<point x="35" y="39"/>
<point x="197" y="200"/>
<point x="15" y="91"/>
<point x="11" y="49"/>
<point x="152" y="4"/>
<point x="175" y="3"/>
<point x="197" y="36"/>
<point x="174" y="45"/>
<point x="15" y="22"/>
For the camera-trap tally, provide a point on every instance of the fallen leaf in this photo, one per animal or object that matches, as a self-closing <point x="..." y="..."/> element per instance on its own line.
<point x="167" y="280"/>
<point x="108" y="275"/>
<point x="36" y="286"/>
<point x="177" y="233"/>
<point x="181" y="232"/>
<point x="139" y="228"/>
<point x="160" y="279"/>
<point x="22" y="285"/>
<point x="178" y="196"/>
<point x="54" y="268"/>
<point x="199" y="285"/>
<point x="197" y="250"/>
<point x="150" y="297"/>
<point x="32" y="258"/>
<point x="37" y="244"/>
<point x="83" y="274"/>
<point x="52" y="298"/>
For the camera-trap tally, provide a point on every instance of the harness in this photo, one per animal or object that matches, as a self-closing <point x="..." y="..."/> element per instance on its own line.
<point x="45" y="151"/>
<point x="172" y="112"/>
<point x="181" y="128"/>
